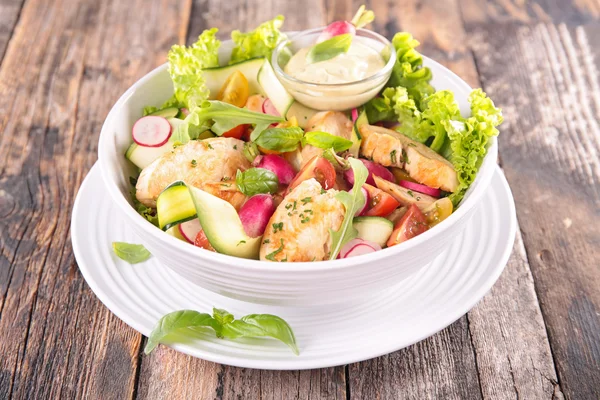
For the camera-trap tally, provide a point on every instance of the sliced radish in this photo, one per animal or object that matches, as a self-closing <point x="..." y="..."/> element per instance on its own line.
<point x="336" y="28"/>
<point x="417" y="187"/>
<point x="366" y="206"/>
<point x="374" y="169"/>
<point x="269" y="108"/>
<point x="255" y="214"/>
<point x="278" y="165"/>
<point x="357" y="247"/>
<point x="190" y="229"/>
<point x="151" y="131"/>
<point x="354" y="114"/>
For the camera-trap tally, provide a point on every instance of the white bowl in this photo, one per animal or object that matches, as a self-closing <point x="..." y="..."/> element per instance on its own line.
<point x="298" y="284"/>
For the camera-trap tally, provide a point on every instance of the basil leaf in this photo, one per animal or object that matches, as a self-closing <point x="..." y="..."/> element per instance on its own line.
<point x="353" y="201"/>
<point x="257" y="325"/>
<point x="132" y="253"/>
<point x="279" y="139"/>
<point x="177" y="321"/>
<point x="325" y="140"/>
<point x="274" y="327"/>
<point x="329" y="48"/>
<point x="256" y="180"/>
<point x="223" y="317"/>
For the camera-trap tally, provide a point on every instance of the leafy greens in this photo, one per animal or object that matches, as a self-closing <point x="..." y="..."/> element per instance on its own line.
<point x="257" y="43"/>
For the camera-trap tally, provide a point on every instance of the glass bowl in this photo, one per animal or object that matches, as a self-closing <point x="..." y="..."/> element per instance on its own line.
<point x="333" y="96"/>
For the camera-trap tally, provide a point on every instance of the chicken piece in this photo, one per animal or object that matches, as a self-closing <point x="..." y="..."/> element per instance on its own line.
<point x="393" y="149"/>
<point x="334" y="122"/>
<point x="299" y="228"/>
<point x="405" y="197"/>
<point x="228" y="191"/>
<point x="195" y="163"/>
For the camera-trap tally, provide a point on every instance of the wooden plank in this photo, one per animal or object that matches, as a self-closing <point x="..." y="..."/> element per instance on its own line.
<point x="550" y="154"/>
<point x="9" y="15"/>
<point x="509" y="336"/>
<point x="66" y="64"/>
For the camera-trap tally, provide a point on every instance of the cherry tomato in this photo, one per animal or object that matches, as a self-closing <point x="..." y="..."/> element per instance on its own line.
<point x="235" y="90"/>
<point x="438" y="211"/>
<point x="238" y="132"/>
<point x="381" y="203"/>
<point x="411" y="224"/>
<point x="202" y="241"/>
<point x="255" y="103"/>
<point x="318" y="168"/>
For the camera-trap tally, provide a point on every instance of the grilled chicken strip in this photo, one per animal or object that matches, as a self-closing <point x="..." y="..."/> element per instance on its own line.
<point x="299" y="228"/>
<point x="333" y="122"/>
<point x="392" y="149"/>
<point x="196" y="163"/>
<point x="405" y="197"/>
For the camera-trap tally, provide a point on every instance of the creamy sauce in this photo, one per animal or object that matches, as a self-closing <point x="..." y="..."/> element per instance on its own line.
<point x="358" y="63"/>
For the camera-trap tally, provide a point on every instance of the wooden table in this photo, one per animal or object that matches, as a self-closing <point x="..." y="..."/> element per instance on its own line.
<point x="536" y="335"/>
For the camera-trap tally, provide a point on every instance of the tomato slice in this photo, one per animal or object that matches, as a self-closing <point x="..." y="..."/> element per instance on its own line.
<point x="235" y="90"/>
<point x="202" y="241"/>
<point x="238" y="132"/>
<point x="411" y="224"/>
<point x="381" y="203"/>
<point x="438" y="211"/>
<point x="319" y="168"/>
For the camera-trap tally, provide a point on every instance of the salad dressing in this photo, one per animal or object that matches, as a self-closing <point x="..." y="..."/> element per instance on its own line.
<point x="358" y="63"/>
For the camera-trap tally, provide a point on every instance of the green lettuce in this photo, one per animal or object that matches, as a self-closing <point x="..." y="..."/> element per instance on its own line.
<point x="468" y="140"/>
<point x="185" y="68"/>
<point x="257" y="43"/>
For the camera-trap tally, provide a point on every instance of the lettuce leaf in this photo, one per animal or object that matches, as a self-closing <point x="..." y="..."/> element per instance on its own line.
<point x="257" y="43"/>
<point x="468" y="140"/>
<point x="185" y="68"/>
<point x="408" y="71"/>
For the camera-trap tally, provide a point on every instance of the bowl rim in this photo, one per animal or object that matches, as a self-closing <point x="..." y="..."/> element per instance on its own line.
<point x="386" y="70"/>
<point x="481" y="183"/>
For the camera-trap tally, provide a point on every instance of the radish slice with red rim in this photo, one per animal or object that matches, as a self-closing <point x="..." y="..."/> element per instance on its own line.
<point x="151" y="131"/>
<point x="269" y="108"/>
<point x="417" y="187"/>
<point x="354" y="113"/>
<point x="357" y="247"/>
<point x="190" y="229"/>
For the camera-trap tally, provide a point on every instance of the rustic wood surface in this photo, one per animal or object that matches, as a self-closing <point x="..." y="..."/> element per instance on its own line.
<point x="536" y="335"/>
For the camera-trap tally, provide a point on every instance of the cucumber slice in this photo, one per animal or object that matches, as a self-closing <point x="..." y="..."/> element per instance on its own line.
<point x="301" y="112"/>
<point x="170" y="112"/>
<point x="216" y="77"/>
<point x="356" y="137"/>
<point x="373" y="229"/>
<point x="273" y="89"/>
<point x="222" y="226"/>
<point x="174" y="206"/>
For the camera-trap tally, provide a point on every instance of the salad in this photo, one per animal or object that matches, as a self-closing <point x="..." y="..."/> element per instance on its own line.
<point x="233" y="163"/>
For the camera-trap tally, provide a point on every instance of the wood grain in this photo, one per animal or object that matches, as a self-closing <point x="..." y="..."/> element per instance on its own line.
<point x="545" y="76"/>
<point x="66" y="64"/>
<point x="9" y="15"/>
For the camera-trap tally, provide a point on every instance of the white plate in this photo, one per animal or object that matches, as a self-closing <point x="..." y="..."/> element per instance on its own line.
<point x="420" y="306"/>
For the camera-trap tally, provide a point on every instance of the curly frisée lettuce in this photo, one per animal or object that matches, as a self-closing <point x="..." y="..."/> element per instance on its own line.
<point x="185" y="68"/>
<point x="257" y="43"/>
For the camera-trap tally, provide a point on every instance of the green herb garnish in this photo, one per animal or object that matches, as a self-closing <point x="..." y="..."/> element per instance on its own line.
<point x="256" y="180"/>
<point x="132" y="253"/>
<point x="329" y="48"/>
<point x="271" y="256"/>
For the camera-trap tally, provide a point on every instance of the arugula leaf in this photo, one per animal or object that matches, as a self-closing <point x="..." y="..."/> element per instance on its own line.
<point x="251" y="151"/>
<point x="257" y="43"/>
<point x="353" y="201"/>
<point x="186" y="64"/>
<point x="329" y="48"/>
<point x="225" y="326"/>
<point x="256" y="180"/>
<point x="325" y="140"/>
<point x="132" y="253"/>
<point x="177" y="321"/>
<point x="224" y="117"/>
<point x="279" y="139"/>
